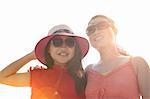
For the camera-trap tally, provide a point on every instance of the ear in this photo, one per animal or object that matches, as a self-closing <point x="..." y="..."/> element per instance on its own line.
<point x="115" y="29"/>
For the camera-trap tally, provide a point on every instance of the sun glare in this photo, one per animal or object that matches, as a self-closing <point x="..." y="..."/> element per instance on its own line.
<point x="25" y="22"/>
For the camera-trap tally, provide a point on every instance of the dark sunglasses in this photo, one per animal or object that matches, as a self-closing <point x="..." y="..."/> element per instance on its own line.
<point x="99" y="26"/>
<point x="58" y="42"/>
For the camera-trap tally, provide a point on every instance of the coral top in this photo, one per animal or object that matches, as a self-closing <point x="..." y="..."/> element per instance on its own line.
<point x="121" y="83"/>
<point x="43" y="81"/>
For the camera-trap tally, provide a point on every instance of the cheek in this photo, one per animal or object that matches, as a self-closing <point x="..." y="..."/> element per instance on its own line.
<point x="92" y="40"/>
<point x="93" y="43"/>
<point x="111" y="36"/>
<point x="72" y="52"/>
<point x="51" y="50"/>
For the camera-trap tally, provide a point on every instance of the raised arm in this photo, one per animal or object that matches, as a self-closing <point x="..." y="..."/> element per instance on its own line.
<point x="9" y="75"/>
<point x="143" y="75"/>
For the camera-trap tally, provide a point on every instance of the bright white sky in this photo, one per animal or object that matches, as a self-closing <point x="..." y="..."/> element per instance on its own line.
<point x="24" y="22"/>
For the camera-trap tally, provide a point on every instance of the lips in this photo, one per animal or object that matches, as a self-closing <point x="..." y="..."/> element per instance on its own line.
<point x="98" y="38"/>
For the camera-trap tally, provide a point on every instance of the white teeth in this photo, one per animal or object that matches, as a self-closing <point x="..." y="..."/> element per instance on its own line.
<point x="63" y="54"/>
<point x="98" y="38"/>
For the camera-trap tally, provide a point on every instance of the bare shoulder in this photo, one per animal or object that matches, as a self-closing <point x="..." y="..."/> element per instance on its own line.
<point x="143" y="75"/>
<point x="139" y="63"/>
<point x="124" y="58"/>
<point x="88" y="67"/>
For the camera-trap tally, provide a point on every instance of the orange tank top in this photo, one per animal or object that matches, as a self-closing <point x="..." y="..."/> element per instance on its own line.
<point x="45" y="81"/>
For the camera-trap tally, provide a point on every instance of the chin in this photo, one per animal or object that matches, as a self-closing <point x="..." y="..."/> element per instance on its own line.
<point x="100" y="47"/>
<point x="64" y="62"/>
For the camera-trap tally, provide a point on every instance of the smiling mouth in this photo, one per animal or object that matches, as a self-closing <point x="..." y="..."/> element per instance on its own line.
<point x="63" y="54"/>
<point x="98" y="38"/>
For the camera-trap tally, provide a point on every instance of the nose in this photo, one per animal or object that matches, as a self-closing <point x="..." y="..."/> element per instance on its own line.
<point x="64" y="45"/>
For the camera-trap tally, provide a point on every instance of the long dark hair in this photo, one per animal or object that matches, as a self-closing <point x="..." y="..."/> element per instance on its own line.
<point x="74" y="67"/>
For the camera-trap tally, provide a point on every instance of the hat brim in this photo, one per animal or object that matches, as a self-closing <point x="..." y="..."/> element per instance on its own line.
<point x="40" y="47"/>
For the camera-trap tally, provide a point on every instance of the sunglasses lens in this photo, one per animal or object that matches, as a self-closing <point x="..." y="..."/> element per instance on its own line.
<point x="57" y="42"/>
<point x="90" y="30"/>
<point x="100" y="26"/>
<point x="70" y="42"/>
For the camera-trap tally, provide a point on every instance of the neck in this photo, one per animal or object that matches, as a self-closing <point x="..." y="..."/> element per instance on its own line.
<point x="60" y="65"/>
<point x="108" y="53"/>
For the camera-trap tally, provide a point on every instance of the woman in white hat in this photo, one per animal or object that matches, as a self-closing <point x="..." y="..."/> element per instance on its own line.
<point x="61" y="51"/>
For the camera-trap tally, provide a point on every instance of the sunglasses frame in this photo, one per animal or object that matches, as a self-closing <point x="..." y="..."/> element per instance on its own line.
<point x="99" y="26"/>
<point x="58" y="42"/>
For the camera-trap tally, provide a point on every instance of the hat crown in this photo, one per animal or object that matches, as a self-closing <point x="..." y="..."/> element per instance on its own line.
<point x="59" y="27"/>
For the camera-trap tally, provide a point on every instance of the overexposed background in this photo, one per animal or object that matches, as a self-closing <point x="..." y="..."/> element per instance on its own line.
<point x="24" y="22"/>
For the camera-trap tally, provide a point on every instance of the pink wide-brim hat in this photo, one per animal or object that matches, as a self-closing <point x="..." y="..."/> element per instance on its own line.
<point x="40" y="47"/>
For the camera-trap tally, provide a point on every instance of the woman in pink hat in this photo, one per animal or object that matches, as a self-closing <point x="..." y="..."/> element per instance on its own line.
<point x="116" y="75"/>
<point x="64" y="78"/>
